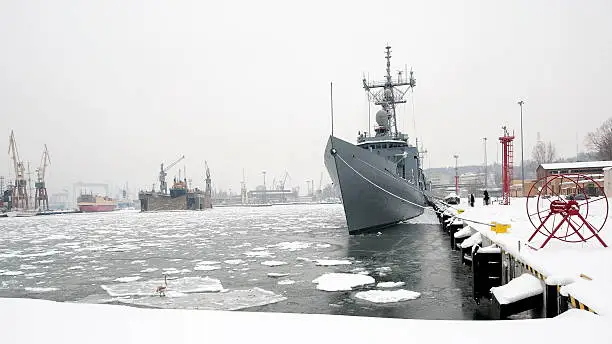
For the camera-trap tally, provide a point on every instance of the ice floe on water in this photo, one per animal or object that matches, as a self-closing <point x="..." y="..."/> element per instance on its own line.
<point x="181" y="285"/>
<point x="331" y="262"/>
<point x="390" y="284"/>
<point x="208" y="262"/>
<point x="46" y="261"/>
<point x="231" y="300"/>
<point x="286" y="282"/>
<point x="342" y="281"/>
<point x="302" y="259"/>
<point x="175" y="271"/>
<point x="27" y="267"/>
<point x="128" y="279"/>
<point x="387" y="296"/>
<point x="149" y="270"/>
<point x="291" y="246"/>
<point x="206" y="267"/>
<point x="11" y="273"/>
<point x="323" y="245"/>
<point x="40" y="289"/>
<point x="233" y="261"/>
<point x="35" y="274"/>
<point x="76" y="267"/>
<point x="277" y="274"/>
<point x="139" y="261"/>
<point x="273" y="263"/>
<point x="259" y="254"/>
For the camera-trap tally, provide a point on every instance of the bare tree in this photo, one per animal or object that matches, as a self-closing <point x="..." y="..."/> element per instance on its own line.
<point x="600" y="141"/>
<point x="544" y="153"/>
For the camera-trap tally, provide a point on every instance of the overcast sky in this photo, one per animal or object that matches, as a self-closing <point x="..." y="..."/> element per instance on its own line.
<point x="116" y="87"/>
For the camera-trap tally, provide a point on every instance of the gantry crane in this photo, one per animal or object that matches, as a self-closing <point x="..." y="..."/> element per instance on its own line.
<point x="20" y="193"/>
<point x="41" y="198"/>
<point x="163" y="187"/>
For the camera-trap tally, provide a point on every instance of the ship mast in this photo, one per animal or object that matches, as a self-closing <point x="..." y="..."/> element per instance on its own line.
<point x="388" y="93"/>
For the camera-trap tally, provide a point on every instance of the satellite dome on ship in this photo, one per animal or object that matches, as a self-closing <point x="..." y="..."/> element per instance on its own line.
<point x="382" y="118"/>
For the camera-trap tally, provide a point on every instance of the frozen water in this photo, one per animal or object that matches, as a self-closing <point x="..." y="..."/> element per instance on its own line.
<point x="341" y="281"/>
<point x="383" y="269"/>
<point x="40" y="289"/>
<point x="149" y="270"/>
<point x="233" y="261"/>
<point x="286" y="282"/>
<point x="147" y="288"/>
<point x="206" y="267"/>
<point x="231" y="300"/>
<point x="291" y="246"/>
<point x="128" y="279"/>
<point x="11" y="273"/>
<point x="330" y="262"/>
<point x="273" y="263"/>
<point x="390" y="284"/>
<point x="387" y="296"/>
<point x="259" y="254"/>
<point x="277" y="274"/>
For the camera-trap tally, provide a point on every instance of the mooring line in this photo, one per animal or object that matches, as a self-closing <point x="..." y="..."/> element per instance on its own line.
<point x="401" y="198"/>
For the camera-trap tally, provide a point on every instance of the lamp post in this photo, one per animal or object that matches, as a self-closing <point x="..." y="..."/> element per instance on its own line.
<point x="520" y="103"/>
<point x="485" y="163"/>
<point x="265" y="190"/>
<point x="456" y="175"/>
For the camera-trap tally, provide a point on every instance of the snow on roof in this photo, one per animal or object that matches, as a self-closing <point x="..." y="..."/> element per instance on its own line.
<point x="577" y="165"/>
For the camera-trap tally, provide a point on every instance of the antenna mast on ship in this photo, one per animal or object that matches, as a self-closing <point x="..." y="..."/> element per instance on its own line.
<point x="387" y="93"/>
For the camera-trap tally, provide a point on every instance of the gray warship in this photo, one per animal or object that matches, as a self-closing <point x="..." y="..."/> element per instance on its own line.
<point x="380" y="178"/>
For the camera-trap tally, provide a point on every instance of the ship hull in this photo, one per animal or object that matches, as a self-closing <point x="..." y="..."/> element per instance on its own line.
<point x="96" y="208"/>
<point x="372" y="196"/>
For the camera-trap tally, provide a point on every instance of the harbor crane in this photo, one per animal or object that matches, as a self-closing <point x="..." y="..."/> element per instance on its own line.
<point x="163" y="187"/>
<point x="41" y="198"/>
<point x="283" y="181"/>
<point x="20" y="193"/>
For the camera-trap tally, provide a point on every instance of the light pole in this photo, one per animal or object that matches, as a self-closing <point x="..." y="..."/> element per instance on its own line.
<point x="520" y="103"/>
<point x="265" y="189"/>
<point x="456" y="175"/>
<point x="485" y="163"/>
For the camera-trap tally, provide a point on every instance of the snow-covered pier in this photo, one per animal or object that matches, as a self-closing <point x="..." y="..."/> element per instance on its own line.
<point x="570" y="274"/>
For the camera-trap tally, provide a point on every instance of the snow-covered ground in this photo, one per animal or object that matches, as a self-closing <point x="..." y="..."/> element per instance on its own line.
<point x="38" y="321"/>
<point x="558" y="260"/>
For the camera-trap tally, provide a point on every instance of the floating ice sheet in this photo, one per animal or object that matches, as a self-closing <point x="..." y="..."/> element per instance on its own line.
<point x="147" y="288"/>
<point x="330" y="262"/>
<point x="387" y="296"/>
<point x="341" y="281"/>
<point x="230" y="301"/>
<point x="273" y="263"/>
<point x="291" y="246"/>
<point x="390" y="284"/>
<point x="128" y="279"/>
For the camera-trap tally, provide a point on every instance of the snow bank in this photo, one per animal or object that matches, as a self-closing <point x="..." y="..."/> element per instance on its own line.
<point x="330" y="262"/>
<point x="387" y="296"/>
<point x="464" y="232"/>
<point x="474" y="239"/>
<point x="390" y="284"/>
<point x="74" y="323"/>
<point x="519" y="288"/>
<point x="341" y="281"/>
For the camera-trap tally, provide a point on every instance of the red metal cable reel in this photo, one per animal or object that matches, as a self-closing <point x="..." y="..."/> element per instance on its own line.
<point x="555" y="216"/>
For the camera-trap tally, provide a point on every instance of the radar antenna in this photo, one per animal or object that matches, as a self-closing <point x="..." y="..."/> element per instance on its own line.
<point x="387" y="93"/>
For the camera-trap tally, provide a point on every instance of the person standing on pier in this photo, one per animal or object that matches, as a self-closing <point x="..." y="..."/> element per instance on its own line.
<point x="471" y="200"/>
<point x="486" y="197"/>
